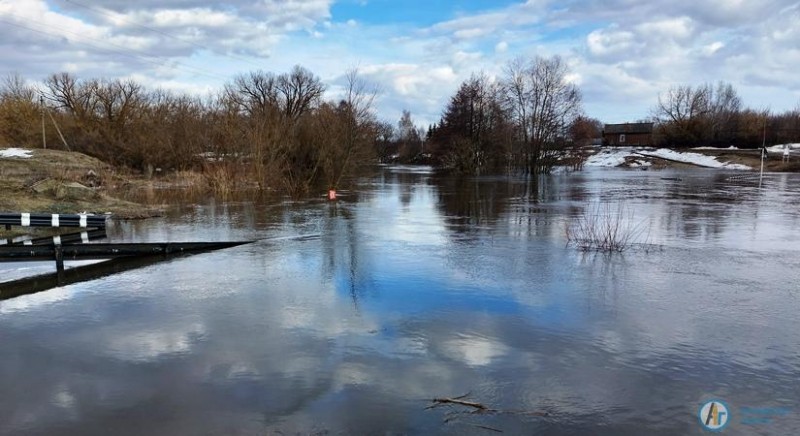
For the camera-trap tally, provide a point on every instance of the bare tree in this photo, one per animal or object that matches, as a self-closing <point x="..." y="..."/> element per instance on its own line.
<point x="117" y="102"/>
<point x="354" y="129"/>
<point x="19" y="112"/>
<point x="683" y="103"/>
<point x="14" y="87"/>
<point x="360" y="121"/>
<point x="72" y="95"/>
<point x="544" y="102"/>
<point x="725" y="106"/>
<point x="701" y="115"/>
<point x="517" y="92"/>
<point x="254" y="94"/>
<point x="299" y="91"/>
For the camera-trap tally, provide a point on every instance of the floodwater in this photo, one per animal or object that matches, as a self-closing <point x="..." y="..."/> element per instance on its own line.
<point x="416" y="286"/>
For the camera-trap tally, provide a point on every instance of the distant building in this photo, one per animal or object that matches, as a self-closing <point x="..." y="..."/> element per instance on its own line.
<point x="633" y="134"/>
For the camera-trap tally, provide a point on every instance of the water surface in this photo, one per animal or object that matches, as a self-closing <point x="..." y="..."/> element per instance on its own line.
<point x="415" y="286"/>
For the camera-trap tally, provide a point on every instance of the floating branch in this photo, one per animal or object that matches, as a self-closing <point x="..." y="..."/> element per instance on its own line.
<point x="476" y="408"/>
<point x="442" y="401"/>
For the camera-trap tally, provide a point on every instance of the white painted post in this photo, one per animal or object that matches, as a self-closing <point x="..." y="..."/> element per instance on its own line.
<point x="763" y="153"/>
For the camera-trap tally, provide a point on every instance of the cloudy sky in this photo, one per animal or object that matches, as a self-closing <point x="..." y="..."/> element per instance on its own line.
<point x="622" y="53"/>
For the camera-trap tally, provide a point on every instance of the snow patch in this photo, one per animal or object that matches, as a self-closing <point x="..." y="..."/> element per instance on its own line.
<point x="16" y="152"/>
<point x="608" y="158"/>
<point x="694" y="159"/>
<point x="640" y="163"/>
<point x="732" y="147"/>
<point x="778" y="149"/>
<point x="614" y="157"/>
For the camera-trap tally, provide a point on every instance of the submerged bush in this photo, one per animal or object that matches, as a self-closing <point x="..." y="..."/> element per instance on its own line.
<point x="606" y="227"/>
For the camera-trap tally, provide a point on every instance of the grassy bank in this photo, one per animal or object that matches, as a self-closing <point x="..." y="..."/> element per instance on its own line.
<point x="52" y="181"/>
<point x="752" y="158"/>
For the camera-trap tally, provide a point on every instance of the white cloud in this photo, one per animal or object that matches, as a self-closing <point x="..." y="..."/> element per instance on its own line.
<point x="619" y="49"/>
<point x="487" y="23"/>
<point x="712" y="48"/>
<point x="421" y="88"/>
<point x="475" y="32"/>
<point x="468" y="59"/>
<point x="189" y="17"/>
<point x="611" y="42"/>
<point x="675" y="29"/>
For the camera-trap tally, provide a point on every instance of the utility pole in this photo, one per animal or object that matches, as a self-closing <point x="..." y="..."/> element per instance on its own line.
<point x="763" y="151"/>
<point x="41" y="106"/>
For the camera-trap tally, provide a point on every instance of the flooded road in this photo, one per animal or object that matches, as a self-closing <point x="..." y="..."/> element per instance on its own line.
<point x="417" y="286"/>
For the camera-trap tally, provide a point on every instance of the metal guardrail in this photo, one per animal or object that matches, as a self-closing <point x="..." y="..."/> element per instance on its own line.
<point x="68" y="238"/>
<point x="52" y="220"/>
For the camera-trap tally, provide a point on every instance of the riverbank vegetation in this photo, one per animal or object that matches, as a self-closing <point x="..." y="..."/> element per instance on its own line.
<point x="714" y="116"/>
<point x="263" y="130"/>
<point x="521" y="122"/>
<point x="276" y="132"/>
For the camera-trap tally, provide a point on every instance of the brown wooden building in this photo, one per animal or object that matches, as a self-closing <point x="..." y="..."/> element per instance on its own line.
<point x="632" y="134"/>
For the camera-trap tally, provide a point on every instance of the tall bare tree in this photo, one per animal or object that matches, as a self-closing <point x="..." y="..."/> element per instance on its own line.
<point x="299" y="91"/>
<point x="702" y="115"/>
<point x="544" y="102"/>
<point x="254" y="93"/>
<point x="359" y="127"/>
<point x="72" y="95"/>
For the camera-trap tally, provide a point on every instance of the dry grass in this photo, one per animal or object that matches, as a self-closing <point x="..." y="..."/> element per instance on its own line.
<point x="52" y="172"/>
<point x="752" y="158"/>
<point x="222" y="178"/>
<point x="606" y="227"/>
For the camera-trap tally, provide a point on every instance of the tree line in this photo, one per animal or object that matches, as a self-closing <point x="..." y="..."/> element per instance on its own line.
<point x="274" y="130"/>
<point x="713" y="115"/>
<point x="278" y="132"/>
<point x="524" y="121"/>
<point x="281" y="127"/>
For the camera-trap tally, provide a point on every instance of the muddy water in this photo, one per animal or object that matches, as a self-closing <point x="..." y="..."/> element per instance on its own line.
<point x="417" y="286"/>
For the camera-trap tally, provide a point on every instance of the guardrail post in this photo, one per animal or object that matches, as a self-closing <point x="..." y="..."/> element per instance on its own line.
<point x="59" y="251"/>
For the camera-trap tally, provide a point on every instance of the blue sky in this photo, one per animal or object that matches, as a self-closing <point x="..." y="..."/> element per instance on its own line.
<point x="414" y="13"/>
<point x="621" y="53"/>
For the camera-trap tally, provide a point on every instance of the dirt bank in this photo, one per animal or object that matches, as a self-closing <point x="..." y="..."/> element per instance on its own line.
<point x="52" y="181"/>
<point x="752" y="158"/>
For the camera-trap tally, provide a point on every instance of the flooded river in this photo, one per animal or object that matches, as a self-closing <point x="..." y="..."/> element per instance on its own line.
<point x="350" y="317"/>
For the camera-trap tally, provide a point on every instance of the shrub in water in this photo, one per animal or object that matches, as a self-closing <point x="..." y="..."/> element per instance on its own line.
<point x="605" y="227"/>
